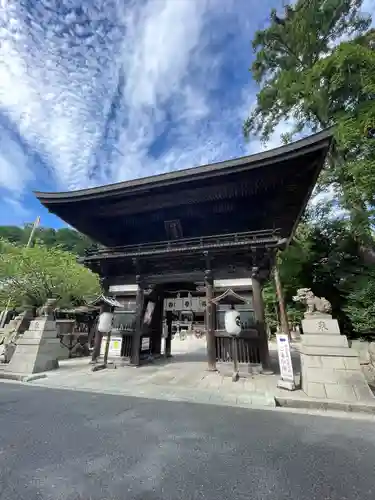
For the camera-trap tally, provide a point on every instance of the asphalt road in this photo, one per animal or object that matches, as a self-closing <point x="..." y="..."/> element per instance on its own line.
<point x="71" y="445"/>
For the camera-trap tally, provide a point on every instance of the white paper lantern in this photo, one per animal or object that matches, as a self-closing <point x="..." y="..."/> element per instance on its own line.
<point x="105" y="322"/>
<point x="148" y="313"/>
<point x="232" y="322"/>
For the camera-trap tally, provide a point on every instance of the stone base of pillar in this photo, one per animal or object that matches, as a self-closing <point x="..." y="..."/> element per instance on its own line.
<point x="212" y="369"/>
<point x="330" y="369"/>
<point x="286" y="384"/>
<point x="267" y="371"/>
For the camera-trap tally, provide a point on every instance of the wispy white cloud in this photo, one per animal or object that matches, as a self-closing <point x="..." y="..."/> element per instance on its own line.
<point x="115" y="90"/>
<point x="111" y="91"/>
<point x="164" y="43"/>
<point x="15" y="171"/>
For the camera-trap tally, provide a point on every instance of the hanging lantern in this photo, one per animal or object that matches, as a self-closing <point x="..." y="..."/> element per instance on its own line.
<point x="105" y="322"/>
<point x="148" y="313"/>
<point x="232" y="321"/>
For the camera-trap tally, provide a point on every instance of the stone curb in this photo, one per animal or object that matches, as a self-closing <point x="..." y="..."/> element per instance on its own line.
<point x="325" y="405"/>
<point x="255" y="401"/>
<point x="21" y="377"/>
<point x="164" y="393"/>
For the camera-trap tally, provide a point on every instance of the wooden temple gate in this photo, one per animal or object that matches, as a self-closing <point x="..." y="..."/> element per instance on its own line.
<point x="197" y="225"/>
<point x="253" y="255"/>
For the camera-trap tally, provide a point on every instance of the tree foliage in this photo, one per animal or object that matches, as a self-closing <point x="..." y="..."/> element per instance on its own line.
<point x="287" y="54"/>
<point x="66" y="238"/>
<point x="360" y="305"/>
<point x="28" y="276"/>
<point x="324" y="257"/>
<point x="315" y="67"/>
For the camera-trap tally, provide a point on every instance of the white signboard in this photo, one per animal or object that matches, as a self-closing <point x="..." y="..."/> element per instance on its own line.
<point x="285" y="359"/>
<point x="145" y="346"/>
<point x="123" y="288"/>
<point x="114" y="346"/>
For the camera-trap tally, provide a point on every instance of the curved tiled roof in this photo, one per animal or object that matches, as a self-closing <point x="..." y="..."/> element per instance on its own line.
<point x="282" y="153"/>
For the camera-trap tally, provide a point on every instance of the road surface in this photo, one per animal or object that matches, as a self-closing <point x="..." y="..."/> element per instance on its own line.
<point x="68" y="445"/>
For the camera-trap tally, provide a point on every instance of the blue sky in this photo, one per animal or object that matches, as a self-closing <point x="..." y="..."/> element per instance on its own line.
<point x="120" y="89"/>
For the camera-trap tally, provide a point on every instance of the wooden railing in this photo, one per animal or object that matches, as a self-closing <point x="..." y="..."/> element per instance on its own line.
<point x="270" y="236"/>
<point x="127" y="345"/>
<point x="248" y="349"/>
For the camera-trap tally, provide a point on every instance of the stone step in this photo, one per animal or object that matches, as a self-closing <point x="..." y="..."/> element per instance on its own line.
<point x="325" y="340"/>
<point x="328" y="351"/>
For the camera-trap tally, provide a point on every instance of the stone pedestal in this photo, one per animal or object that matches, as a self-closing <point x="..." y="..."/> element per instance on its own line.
<point x="329" y="368"/>
<point x="36" y="348"/>
<point x="11" y="332"/>
<point x="16" y="326"/>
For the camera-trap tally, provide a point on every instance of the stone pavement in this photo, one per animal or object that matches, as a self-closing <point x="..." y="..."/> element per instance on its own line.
<point x="185" y="378"/>
<point x="181" y="378"/>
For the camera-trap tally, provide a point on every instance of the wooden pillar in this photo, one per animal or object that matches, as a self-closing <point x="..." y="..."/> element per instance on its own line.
<point x="136" y="344"/>
<point x="157" y="325"/>
<point x="210" y="327"/>
<point x="260" y="318"/>
<point x="107" y="344"/>
<point x="280" y="298"/>
<point x="168" y="339"/>
<point x="98" y="335"/>
<point x="91" y="327"/>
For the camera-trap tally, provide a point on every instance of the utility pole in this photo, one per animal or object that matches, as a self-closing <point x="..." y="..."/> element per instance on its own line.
<point x="30" y="240"/>
<point x="35" y="226"/>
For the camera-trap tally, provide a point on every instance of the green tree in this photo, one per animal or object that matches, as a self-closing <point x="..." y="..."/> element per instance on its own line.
<point x="270" y="305"/>
<point x="307" y="74"/>
<point x="14" y="234"/>
<point x="323" y="256"/>
<point x="28" y="276"/>
<point x="66" y="238"/>
<point x="286" y="53"/>
<point x="360" y="306"/>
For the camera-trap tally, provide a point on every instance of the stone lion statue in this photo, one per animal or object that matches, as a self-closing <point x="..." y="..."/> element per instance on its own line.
<point x="313" y="304"/>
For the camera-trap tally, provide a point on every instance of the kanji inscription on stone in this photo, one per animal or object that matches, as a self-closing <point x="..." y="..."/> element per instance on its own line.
<point x="322" y="327"/>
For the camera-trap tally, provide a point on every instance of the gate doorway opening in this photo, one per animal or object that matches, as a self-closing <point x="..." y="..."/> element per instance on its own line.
<point x="184" y="322"/>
